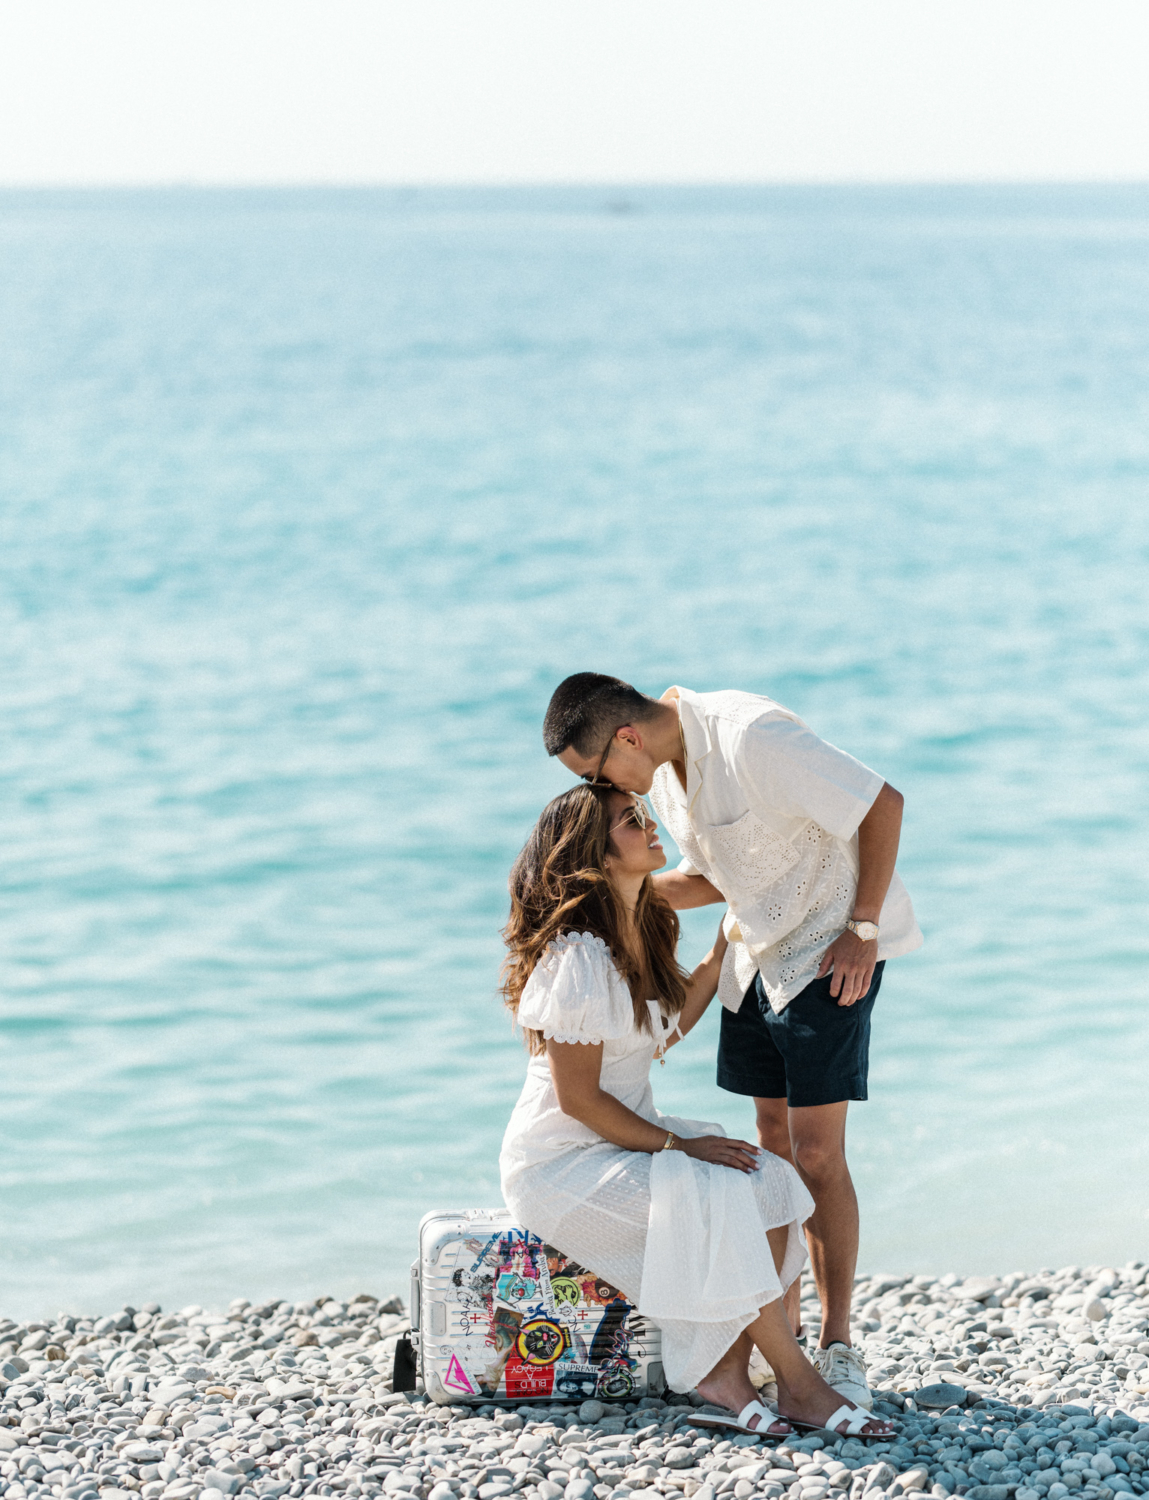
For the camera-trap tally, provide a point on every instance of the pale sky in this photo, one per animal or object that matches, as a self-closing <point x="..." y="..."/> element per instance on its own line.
<point x="370" y="91"/>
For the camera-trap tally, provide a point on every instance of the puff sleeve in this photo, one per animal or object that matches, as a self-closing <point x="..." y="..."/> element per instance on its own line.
<point x="576" y="994"/>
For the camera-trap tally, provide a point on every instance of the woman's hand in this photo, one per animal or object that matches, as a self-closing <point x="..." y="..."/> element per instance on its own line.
<point x="722" y="1151"/>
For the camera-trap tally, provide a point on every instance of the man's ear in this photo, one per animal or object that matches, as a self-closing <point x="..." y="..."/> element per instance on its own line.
<point x="629" y="735"/>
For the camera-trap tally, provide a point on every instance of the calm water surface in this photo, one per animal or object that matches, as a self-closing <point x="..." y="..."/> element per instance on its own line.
<point x="306" y="502"/>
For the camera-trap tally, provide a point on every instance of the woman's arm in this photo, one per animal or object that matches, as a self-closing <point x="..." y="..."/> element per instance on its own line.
<point x="701" y="987"/>
<point x="576" y="1068"/>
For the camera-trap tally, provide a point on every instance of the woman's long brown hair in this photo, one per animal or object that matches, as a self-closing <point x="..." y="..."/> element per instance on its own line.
<point x="559" y="884"/>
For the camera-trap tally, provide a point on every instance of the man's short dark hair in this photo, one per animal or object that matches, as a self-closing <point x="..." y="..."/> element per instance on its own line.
<point x="587" y="708"/>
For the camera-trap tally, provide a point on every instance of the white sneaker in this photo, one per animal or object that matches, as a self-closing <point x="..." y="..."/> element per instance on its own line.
<point x="844" y="1369"/>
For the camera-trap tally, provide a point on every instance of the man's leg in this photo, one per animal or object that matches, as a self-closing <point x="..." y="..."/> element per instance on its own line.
<point x="826" y="1051"/>
<point x="818" y="1142"/>
<point x="774" y="1136"/>
<point x="750" y="1064"/>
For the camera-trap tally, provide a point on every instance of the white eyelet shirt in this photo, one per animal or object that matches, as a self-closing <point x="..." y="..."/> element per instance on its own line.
<point x="770" y="816"/>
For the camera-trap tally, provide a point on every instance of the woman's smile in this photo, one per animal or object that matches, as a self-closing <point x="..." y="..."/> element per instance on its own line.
<point x="634" y="845"/>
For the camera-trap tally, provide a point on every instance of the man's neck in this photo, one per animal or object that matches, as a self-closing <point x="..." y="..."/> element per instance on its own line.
<point x="667" y="742"/>
<point x="664" y="737"/>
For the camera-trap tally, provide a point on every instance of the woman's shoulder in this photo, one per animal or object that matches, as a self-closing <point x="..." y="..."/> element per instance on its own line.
<point x="578" y="962"/>
<point x="574" y="948"/>
<point x="576" y="988"/>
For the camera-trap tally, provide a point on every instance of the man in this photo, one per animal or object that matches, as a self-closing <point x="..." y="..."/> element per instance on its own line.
<point x="800" y="839"/>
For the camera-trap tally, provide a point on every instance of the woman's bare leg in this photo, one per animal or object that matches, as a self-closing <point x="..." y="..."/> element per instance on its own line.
<point x="802" y="1392"/>
<point x="729" y="1383"/>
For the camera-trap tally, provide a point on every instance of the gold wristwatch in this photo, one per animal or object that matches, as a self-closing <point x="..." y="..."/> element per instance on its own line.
<point x="867" y="931"/>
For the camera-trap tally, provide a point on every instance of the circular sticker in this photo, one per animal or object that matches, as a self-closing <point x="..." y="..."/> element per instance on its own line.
<point x="541" y="1342"/>
<point x="566" y="1290"/>
<point x="615" y="1385"/>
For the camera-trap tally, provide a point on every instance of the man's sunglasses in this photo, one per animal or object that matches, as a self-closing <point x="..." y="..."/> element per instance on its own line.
<point x="596" y="779"/>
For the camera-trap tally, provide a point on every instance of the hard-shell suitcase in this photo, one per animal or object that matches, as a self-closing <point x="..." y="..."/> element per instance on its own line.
<point x="498" y="1314"/>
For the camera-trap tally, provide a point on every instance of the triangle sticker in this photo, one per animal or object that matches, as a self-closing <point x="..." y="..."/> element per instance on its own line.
<point x="456" y="1377"/>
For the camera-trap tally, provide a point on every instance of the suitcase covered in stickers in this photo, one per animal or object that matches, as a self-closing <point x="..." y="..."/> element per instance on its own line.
<point x="498" y="1314"/>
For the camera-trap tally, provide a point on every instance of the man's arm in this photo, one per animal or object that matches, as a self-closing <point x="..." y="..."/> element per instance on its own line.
<point x="878" y="834"/>
<point x="684" y="892"/>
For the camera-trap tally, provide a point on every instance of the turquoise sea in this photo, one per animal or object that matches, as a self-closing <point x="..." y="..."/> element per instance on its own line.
<point x="307" y="500"/>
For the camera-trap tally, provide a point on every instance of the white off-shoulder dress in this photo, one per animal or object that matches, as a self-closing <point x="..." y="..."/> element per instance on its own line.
<point x="685" y="1240"/>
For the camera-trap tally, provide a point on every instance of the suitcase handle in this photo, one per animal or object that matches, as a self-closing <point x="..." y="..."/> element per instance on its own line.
<point x="415" y="1297"/>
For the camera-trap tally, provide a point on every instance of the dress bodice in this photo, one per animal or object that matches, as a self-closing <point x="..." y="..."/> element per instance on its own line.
<point x="577" y="995"/>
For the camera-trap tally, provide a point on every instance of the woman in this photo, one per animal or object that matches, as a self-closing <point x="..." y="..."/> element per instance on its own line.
<point x="702" y="1233"/>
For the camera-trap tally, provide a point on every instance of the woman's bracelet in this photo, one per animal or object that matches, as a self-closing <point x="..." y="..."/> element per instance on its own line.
<point x="670" y="1142"/>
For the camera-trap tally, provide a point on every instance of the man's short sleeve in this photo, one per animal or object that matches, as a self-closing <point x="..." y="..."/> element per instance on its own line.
<point x="786" y="768"/>
<point x="684" y="867"/>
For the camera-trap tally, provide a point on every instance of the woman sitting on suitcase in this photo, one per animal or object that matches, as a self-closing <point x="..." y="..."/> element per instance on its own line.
<point x="701" y="1232"/>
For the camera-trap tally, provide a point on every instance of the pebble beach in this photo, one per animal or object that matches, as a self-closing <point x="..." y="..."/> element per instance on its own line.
<point x="1024" y="1387"/>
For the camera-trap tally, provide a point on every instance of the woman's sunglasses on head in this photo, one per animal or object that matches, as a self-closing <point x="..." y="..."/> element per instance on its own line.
<point x="638" y="815"/>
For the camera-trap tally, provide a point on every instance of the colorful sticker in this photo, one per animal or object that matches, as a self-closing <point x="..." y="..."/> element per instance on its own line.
<point x="541" y="1342"/>
<point x="475" y="1288"/>
<point x="514" y="1288"/>
<point x="575" y="1381"/>
<point x="615" y="1382"/>
<point x="504" y="1330"/>
<point x="483" y="1251"/>
<point x="457" y="1379"/>
<point x="530" y="1322"/>
<point x="610" y="1337"/>
<point x="595" y="1289"/>
<point x="528" y="1380"/>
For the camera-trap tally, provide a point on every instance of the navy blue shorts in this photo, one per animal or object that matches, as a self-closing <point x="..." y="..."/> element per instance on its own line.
<point x="815" y="1052"/>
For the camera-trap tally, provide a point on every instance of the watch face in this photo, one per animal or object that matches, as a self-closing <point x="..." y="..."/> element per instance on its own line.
<point x="867" y="931"/>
